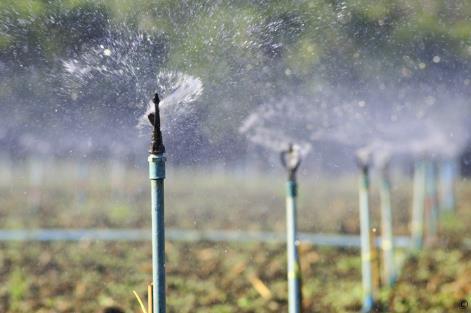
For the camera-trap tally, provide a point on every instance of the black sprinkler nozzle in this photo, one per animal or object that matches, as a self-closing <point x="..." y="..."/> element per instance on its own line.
<point x="157" y="145"/>
<point x="363" y="160"/>
<point x="291" y="159"/>
<point x="384" y="167"/>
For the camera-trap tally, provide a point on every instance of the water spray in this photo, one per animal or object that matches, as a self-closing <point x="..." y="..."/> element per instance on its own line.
<point x="5" y="169"/>
<point x="157" y="176"/>
<point x="387" y="238"/>
<point x="363" y="161"/>
<point x="418" y="205"/>
<point x="38" y="152"/>
<point x="117" y="170"/>
<point x="291" y="159"/>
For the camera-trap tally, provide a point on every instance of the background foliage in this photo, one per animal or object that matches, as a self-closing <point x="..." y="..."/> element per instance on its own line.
<point x="245" y="52"/>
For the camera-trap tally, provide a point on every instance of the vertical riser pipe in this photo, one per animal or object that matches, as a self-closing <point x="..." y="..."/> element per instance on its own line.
<point x="157" y="176"/>
<point x="365" y="226"/>
<point x="447" y="186"/>
<point x="375" y="263"/>
<point x="418" y="206"/>
<point x="387" y="244"/>
<point x="294" y="272"/>
<point x="431" y="201"/>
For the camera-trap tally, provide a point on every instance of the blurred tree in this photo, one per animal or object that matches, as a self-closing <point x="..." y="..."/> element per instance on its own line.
<point x="246" y="52"/>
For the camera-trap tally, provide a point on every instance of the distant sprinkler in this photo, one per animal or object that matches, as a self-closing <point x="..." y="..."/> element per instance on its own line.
<point x="157" y="176"/>
<point x="431" y="201"/>
<point x="448" y="173"/>
<point x="291" y="159"/>
<point x="418" y="204"/>
<point x="387" y="236"/>
<point x="363" y="159"/>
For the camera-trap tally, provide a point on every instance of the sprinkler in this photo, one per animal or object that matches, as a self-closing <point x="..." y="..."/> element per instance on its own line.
<point x="418" y="205"/>
<point x="448" y="171"/>
<point x="387" y="238"/>
<point x="291" y="159"/>
<point x="363" y="159"/>
<point x="157" y="176"/>
<point x="431" y="201"/>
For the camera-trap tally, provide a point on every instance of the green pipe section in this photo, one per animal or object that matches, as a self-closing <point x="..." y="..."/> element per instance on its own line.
<point x="294" y="268"/>
<point x="366" y="269"/>
<point x="418" y="205"/>
<point x="157" y="176"/>
<point x="387" y="238"/>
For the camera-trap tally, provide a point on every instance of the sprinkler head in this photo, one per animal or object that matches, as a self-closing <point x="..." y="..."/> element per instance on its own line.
<point x="153" y="118"/>
<point x="157" y="146"/>
<point x="291" y="159"/>
<point x="364" y="159"/>
<point x="382" y="159"/>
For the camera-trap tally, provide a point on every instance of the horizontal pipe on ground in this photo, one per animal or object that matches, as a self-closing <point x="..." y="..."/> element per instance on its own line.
<point x="332" y="240"/>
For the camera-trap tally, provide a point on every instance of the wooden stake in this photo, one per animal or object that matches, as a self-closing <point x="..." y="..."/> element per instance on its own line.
<point x="150" y="307"/>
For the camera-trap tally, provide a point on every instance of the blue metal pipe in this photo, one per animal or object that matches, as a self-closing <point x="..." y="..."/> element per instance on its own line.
<point x="418" y="205"/>
<point x="157" y="176"/>
<point x="448" y="171"/>
<point x="431" y="200"/>
<point x="366" y="269"/>
<point x="387" y="244"/>
<point x="188" y="235"/>
<point x="294" y="268"/>
<point x="291" y="159"/>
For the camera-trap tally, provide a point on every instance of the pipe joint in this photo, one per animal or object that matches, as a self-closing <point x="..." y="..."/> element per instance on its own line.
<point x="292" y="188"/>
<point x="156" y="166"/>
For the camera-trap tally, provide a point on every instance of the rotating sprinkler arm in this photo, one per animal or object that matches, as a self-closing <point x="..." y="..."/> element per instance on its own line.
<point x="291" y="159"/>
<point x="157" y="145"/>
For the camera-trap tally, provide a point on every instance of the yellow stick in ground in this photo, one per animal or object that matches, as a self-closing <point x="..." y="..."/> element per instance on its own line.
<point x="143" y="308"/>
<point x="150" y="294"/>
<point x="260" y="286"/>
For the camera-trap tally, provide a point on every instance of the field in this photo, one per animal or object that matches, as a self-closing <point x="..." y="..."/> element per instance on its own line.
<point x="88" y="276"/>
